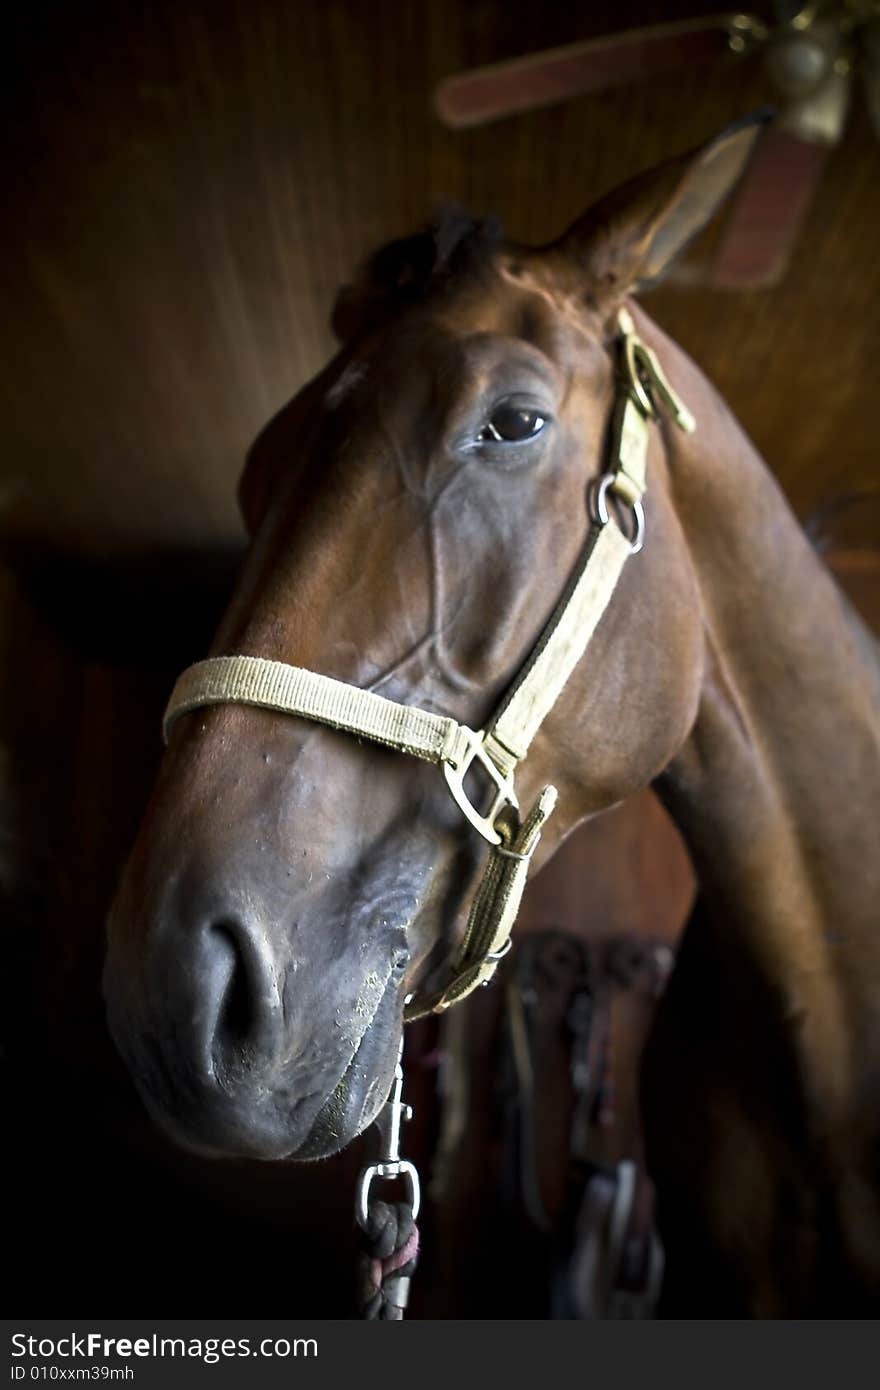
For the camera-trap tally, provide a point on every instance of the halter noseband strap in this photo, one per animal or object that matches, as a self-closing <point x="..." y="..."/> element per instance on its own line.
<point x="274" y="685"/>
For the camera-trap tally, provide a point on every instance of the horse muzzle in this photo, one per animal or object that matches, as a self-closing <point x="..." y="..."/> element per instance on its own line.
<point x="221" y="1054"/>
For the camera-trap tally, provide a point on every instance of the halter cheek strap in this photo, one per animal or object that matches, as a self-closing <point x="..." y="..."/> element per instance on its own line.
<point x="454" y="747"/>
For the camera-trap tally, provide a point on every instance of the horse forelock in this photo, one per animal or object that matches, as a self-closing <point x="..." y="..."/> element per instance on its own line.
<point x="453" y="245"/>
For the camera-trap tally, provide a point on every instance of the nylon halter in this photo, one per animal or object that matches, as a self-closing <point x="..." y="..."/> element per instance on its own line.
<point x="642" y="390"/>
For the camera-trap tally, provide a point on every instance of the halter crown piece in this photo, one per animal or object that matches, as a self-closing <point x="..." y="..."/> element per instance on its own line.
<point x="642" y="391"/>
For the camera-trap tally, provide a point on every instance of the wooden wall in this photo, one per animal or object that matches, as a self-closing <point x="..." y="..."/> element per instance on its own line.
<point x="188" y="183"/>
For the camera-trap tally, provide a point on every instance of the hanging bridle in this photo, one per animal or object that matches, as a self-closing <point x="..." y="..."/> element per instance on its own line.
<point x="250" y="680"/>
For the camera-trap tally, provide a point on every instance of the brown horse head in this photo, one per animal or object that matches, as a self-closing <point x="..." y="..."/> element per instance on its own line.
<point x="416" y="512"/>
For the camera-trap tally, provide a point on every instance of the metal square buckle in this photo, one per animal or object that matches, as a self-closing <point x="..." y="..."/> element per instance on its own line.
<point x="503" y="783"/>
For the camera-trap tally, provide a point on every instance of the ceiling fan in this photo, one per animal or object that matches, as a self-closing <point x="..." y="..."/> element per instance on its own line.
<point x="812" y="53"/>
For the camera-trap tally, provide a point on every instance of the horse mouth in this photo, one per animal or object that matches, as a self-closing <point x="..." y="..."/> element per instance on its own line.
<point x="361" y="1090"/>
<point x="263" y="1120"/>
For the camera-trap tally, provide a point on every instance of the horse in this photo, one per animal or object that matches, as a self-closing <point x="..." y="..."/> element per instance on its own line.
<point x="416" y="511"/>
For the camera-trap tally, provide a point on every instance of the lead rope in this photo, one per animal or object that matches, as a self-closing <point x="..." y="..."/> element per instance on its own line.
<point x="390" y="1237"/>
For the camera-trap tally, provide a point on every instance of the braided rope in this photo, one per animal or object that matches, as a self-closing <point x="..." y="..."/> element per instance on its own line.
<point x="387" y="1261"/>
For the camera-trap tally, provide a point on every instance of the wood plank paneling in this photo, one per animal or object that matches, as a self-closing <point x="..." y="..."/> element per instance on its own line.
<point x="187" y="184"/>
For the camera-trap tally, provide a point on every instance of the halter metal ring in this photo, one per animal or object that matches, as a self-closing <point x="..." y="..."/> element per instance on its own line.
<point x="605" y="482"/>
<point x="501" y="952"/>
<point x="399" y="1168"/>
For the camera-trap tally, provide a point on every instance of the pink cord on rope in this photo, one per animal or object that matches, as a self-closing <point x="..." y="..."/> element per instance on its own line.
<point x="381" y="1269"/>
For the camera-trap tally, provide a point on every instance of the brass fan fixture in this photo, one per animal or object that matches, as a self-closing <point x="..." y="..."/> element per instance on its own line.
<point x="813" y="56"/>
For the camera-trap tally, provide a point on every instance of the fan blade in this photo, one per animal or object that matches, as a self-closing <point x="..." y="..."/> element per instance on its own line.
<point x="764" y="222"/>
<point x="778" y="187"/>
<point x="539" y="79"/>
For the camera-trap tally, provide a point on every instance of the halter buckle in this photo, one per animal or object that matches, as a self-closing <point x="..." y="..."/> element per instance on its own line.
<point x="644" y="378"/>
<point x="503" y="783"/>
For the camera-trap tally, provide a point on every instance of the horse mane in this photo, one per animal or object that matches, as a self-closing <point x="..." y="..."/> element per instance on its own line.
<point x="451" y="246"/>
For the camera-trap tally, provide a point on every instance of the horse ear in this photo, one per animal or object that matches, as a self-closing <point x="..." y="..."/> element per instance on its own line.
<point x="630" y="237"/>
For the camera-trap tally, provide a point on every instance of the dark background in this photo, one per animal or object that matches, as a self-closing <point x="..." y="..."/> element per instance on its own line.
<point x="186" y="186"/>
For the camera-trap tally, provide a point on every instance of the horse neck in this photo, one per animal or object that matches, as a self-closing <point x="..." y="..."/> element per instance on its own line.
<point x="774" y="787"/>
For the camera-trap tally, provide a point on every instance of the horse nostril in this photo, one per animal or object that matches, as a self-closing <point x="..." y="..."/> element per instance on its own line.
<point x="234" y="1013"/>
<point x="238" y="994"/>
<point x="400" y="960"/>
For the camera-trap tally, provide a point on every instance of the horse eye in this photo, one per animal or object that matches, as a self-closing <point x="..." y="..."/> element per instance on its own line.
<point x="512" y="424"/>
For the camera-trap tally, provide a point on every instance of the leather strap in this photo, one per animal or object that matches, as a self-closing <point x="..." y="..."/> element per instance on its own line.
<point x="561" y="645"/>
<point x="493" y="913"/>
<point x="252" y="680"/>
